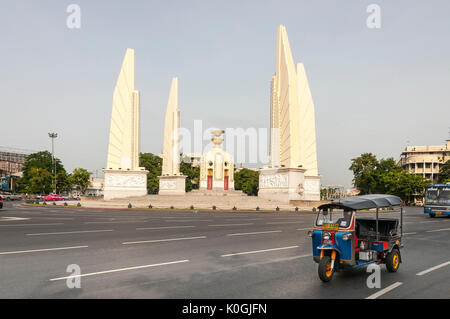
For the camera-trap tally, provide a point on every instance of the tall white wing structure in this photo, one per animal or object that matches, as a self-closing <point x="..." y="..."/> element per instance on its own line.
<point x="123" y="149"/>
<point x="123" y="176"/>
<point x="171" y="147"/>
<point x="307" y="140"/>
<point x="171" y="182"/>
<point x="292" y="174"/>
<point x="293" y="136"/>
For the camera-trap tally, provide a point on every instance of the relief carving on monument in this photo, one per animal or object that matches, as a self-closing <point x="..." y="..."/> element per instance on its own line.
<point x="273" y="181"/>
<point x="312" y="186"/>
<point x="167" y="184"/>
<point x="125" y="180"/>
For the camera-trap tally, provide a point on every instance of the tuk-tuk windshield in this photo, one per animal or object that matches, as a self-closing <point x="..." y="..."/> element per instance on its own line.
<point x="340" y="217"/>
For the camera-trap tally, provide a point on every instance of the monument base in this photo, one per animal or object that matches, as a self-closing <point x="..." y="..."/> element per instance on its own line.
<point x="288" y="184"/>
<point x="123" y="184"/>
<point x="172" y="185"/>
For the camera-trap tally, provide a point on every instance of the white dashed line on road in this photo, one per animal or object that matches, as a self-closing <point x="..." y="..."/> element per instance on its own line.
<point x="224" y="225"/>
<point x="277" y="223"/>
<point x="72" y="232"/>
<point x="437" y="230"/>
<point x="167" y="227"/>
<point x="426" y="271"/>
<point x="161" y="240"/>
<point x="39" y="250"/>
<point x="21" y="225"/>
<point x="255" y="233"/>
<point x="121" y="269"/>
<point x="259" y="251"/>
<point x="385" y="290"/>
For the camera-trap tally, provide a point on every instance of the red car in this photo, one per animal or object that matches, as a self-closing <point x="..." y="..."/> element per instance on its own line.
<point x="53" y="197"/>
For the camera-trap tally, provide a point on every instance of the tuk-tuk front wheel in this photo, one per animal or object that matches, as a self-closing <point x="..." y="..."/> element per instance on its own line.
<point x="325" y="271"/>
<point x="393" y="260"/>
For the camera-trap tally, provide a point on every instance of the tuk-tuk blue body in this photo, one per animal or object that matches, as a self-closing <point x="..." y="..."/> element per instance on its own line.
<point x="355" y="242"/>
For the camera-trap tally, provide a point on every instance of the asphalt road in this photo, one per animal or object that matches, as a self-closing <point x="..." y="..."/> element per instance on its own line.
<point x="155" y="254"/>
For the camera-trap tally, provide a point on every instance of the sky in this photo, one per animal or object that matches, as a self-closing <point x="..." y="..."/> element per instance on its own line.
<point x="375" y="89"/>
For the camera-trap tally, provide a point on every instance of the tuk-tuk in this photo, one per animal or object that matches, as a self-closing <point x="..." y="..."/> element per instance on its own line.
<point x="342" y="240"/>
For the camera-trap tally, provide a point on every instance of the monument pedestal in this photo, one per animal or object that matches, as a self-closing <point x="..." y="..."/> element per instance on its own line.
<point x="172" y="185"/>
<point x="288" y="184"/>
<point x="124" y="183"/>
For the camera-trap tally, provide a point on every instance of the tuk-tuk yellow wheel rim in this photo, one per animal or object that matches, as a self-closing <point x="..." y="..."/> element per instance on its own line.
<point x="395" y="261"/>
<point x="329" y="271"/>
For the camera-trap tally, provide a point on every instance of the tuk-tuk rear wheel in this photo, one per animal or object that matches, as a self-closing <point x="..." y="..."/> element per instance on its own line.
<point x="325" y="271"/>
<point x="393" y="260"/>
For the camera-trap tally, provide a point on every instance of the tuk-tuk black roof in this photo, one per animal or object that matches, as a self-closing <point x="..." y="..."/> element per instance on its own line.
<point x="364" y="202"/>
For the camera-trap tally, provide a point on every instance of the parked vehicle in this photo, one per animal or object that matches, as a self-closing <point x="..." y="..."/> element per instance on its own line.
<point x="53" y="197"/>
<point x="1" y="203"/>
<point x="437" y="200"/>
<point x="340" y="240"/>
<point x="10" y="196"/>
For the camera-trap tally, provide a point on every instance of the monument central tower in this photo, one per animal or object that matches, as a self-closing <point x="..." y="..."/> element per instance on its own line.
<point x="292" y="173"/>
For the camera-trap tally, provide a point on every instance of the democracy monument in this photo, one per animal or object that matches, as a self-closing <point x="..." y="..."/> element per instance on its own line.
<point x="290" y="178"/>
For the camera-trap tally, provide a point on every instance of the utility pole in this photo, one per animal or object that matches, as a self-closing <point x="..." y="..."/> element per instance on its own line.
<point x="53" y="136"/>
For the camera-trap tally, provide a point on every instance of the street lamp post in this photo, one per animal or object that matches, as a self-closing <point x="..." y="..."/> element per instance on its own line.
<point x="53" y="136"/>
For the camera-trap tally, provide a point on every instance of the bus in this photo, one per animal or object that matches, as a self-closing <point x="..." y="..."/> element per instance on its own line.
<point x="437" y="200"/>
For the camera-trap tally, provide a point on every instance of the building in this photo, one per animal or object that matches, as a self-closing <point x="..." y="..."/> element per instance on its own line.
<point x="11" y="163"/>
<point x="425" y="160"/>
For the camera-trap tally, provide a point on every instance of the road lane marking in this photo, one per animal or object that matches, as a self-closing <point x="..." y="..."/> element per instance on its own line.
<point x="161" y="240"/>
<point x="187" y="221"/>
<point x="72" y="232"/>
<point x="436" y="230"/>
<point x="244" y="219"/>
<point x="385" y="290"/>
<point x="13" y="225"/>
<point x="255" y="233"/>
<point x="430" y="221"/>
<point x="9" y="219"/>
<point x="426" y="271"/>
<point x="39" y="250"/>
<point x="224" y="225"/>
<point x="308" y="228"/>
<point x="258" y="251"/>
<point x="167" y="227"/>
<point x="121" y="269"/>
<point x="276" y="223"/>
<point x="122" y="222"/>
<point x="409" y="233"/>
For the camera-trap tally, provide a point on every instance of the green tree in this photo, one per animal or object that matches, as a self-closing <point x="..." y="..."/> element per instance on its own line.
<point x="246" y="180"/>
<point x="43" y="161"/>
<point x="363" y="168"/>
<point x="153" y="164"/>
<point x="80" y="179"/>
<point x="444" y="173"/>
<point x="385" y="177"/>
<point x="63" y="182"/>
<point x="192" y="175"/>
<point x="40" y="181"/>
